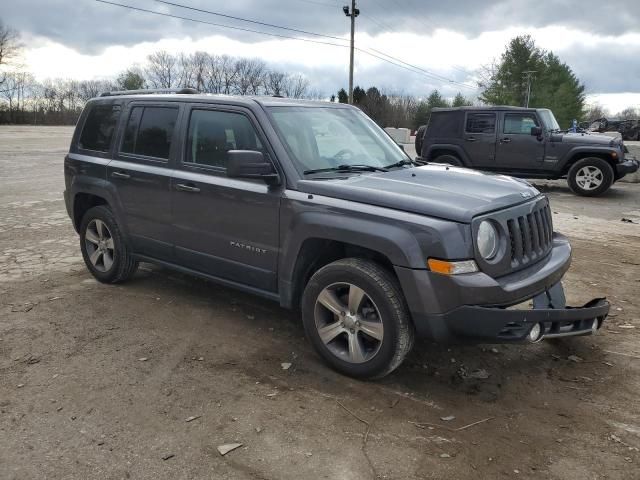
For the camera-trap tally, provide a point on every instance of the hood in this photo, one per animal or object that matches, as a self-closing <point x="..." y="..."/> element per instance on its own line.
<point x="596" y="139"/>
<point x="441" y="191"/>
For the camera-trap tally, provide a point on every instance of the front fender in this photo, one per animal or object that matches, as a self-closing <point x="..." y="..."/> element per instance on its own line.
<point x="405" y="239"/>
<point x="585" y="151"/>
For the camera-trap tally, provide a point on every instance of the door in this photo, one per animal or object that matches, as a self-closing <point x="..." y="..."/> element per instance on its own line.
<point x="480" y="139"/>
<point x="142" y="178"/>
<point x="224" y="227"/>
<point x="517" y="149"/>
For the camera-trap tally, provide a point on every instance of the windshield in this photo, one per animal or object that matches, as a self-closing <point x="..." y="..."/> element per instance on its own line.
<point x="550" y="122"/>
<point x="320" y="138"/>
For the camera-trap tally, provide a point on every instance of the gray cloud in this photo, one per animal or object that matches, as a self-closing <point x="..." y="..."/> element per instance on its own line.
<point x="89" y="27"/>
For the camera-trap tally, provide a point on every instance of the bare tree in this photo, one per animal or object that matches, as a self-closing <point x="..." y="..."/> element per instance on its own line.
<point x="9" y="47"/>
<point x="161" y="69"/>
<point x="274" y="82"/>
<point x="629" y="113"/>
<point x="296" y="86"/>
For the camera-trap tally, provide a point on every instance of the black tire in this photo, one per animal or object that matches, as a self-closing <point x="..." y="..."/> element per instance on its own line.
<point x="450" y="159"/>
<point x="122" y="265"/>
<point x="597" y="166"/>
<point x="384" y="294"/>
<point x="420" y="139"/>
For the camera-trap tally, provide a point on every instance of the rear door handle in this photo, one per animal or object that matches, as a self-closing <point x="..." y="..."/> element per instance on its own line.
<point x="122" y="175"/>
<point x="471" y="139"/>
<point x="505" y="140"/>
<point x="187" y="188"/>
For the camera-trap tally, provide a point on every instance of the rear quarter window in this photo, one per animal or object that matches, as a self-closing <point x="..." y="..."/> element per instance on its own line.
<point x="444" y="124"/>
<point x="99" y="128"/>
<point x="481" y="123"/>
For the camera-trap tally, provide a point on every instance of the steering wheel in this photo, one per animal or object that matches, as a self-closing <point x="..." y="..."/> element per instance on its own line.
<point x="344" y="154"/>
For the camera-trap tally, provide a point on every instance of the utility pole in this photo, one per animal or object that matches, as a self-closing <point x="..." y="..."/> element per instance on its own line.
<point x="353" y="13"/>
<point x="528" y="74"/>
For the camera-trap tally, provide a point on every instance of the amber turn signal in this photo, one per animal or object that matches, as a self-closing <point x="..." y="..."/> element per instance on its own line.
<point x="451" y="268"/>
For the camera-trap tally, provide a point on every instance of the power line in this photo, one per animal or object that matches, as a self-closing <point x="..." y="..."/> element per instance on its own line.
<point x="179" y="17"/>
<point x="423" y="72"/>
<point x="433" y="75"/>
<point x="256" y="22"/>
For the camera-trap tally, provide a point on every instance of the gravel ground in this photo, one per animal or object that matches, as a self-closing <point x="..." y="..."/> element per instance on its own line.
<point x="99" y="381"/>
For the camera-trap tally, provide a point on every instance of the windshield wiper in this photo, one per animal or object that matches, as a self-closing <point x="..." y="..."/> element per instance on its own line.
<point x="401" y="163"/>
<point x="347" y="168"/>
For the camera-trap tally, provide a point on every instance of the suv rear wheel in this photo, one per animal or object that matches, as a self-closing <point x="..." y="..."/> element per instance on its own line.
<point x="103" y="247"/>
<point x="357" y="319"/>
<point x="590" y="176"/>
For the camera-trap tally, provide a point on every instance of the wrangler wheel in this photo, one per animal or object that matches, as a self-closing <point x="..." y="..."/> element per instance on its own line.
<point x="590" y="176"/>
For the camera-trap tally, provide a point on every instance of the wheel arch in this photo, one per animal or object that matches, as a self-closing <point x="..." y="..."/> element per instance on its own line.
<point x="434" y="151"/>
<point x="315" y="253"/>
<point x="580" y="154"/>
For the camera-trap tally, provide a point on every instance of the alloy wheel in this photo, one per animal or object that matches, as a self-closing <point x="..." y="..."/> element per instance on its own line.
<point x="589" y="177"/>
<point x="348" y="322"/>
<point x="99" y="244"/>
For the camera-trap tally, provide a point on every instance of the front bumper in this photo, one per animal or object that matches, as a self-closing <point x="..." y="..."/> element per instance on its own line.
<point x="630" y="165"/>
<point x="497" y="325"/>
<point x="475" y="307"/>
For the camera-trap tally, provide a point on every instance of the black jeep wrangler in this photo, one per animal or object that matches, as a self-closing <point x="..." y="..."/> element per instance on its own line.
<point x="312" y="205"/>
<point x="523" y="142"/>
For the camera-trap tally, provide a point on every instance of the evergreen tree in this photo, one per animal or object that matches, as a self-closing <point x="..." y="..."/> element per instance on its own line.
<point x="343" y="96"/>
<point x="553" y="86"/>
<point x="460" y="101"/>
<point x="423" y="112"/>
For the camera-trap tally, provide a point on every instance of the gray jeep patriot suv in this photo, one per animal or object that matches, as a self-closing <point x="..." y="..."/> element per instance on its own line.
<point x="524" y="142"/>
<point x="312" y="205"/>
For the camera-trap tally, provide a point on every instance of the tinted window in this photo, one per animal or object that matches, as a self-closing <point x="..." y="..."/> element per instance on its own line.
<point x="99" y="127"/>
<point x="149" y="131"/>
<point x="519" y="123"/>
<point x="481" y="123"/>
<point x="212" y="134"/>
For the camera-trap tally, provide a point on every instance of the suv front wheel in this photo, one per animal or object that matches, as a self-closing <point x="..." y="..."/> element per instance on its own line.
<point x="357" y="319"/>
<point x="104" y="250"/>
<point x="590" y="176"/>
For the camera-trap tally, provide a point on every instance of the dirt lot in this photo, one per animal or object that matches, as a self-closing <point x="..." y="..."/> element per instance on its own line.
<point x="98" y="381"/>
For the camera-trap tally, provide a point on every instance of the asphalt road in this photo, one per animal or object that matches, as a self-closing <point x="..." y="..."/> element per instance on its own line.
<point x="98" y="381"/>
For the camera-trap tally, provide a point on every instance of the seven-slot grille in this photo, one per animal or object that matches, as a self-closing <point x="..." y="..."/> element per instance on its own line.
<point x="531" y="236"/>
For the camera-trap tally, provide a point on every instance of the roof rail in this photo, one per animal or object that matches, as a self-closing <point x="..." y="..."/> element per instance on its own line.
<point x="149" y="91"/>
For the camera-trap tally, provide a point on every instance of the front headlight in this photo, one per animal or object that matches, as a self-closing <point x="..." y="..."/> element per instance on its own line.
<point x="487" y="240"/>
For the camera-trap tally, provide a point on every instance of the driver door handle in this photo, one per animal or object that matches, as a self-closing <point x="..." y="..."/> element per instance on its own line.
<point x="471" y="139"/>
<point x="187" y="188"/>
<point x="505" y="140"/>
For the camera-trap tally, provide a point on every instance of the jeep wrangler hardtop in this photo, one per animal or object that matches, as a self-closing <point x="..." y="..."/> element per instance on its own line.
<point x="525" y="142"/>
<point x="311" y="204"/>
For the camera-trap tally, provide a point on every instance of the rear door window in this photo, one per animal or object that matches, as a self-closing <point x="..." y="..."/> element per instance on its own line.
<point x="149" y="131"/>
<point x="99" y="128"/>
<point x="481" y="123"/>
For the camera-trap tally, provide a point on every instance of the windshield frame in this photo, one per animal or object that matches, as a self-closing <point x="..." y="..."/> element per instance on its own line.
<point x="381" y="138"/>
<point x="548" y="120"/>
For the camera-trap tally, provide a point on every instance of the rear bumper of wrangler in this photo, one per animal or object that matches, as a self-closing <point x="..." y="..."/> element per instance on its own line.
<point x="474" y="307"/>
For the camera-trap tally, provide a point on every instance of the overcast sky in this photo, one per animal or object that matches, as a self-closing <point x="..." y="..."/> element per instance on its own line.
<point x="599" y="39"/>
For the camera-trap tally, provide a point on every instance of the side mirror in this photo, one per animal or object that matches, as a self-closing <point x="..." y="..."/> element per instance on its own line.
<point x="536" y="131"/>
<point x="401" y="146"/>
<point x="250" y="164"/>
